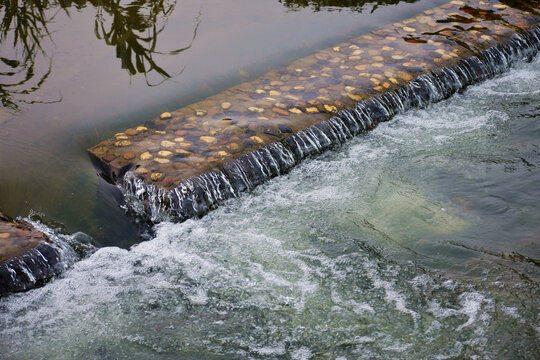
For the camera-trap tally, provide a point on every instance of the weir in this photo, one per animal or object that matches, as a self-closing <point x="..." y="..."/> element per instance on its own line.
<point x="188" y="161"/>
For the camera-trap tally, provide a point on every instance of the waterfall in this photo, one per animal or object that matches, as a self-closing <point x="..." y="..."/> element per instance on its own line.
<point x="200" y="194"/>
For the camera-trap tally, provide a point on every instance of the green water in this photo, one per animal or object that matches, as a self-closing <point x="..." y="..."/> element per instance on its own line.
<point x="417" y="240"/>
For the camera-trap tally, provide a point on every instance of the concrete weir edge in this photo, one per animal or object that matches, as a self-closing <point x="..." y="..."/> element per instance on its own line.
<point x="199" y="194"/>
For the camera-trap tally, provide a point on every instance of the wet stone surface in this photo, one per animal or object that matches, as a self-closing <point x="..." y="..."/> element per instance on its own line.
<point x="207" y="135"/>
<point x="17" y="238"/>
<point x="27" y="256"/>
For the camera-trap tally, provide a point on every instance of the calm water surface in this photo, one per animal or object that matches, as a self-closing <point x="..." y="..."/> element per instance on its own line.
<point x="418" y="240"/>
<point x="95" y="83"/>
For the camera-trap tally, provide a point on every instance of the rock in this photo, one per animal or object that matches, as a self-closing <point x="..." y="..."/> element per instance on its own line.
<point x="255" y="109"/>
<point x="226" y="105"/>
<point x="354" y="97"/>
<point x="330" y="108"/>
<point x="109" y="157"/>
<point x="161" y="160"/>
<point x="257" y="139"/>
<point x="182" y="152"/>
<point x="208" y="139"/>
<point x="280" y="111"/>
<point x="129" y="156"/>
<point x="145" y="156"/>
<point x="165" y="115"/>
<point x="405" y="76"/>
<point x="122" y="143"/>
<point x="164" y="153"/>
<point x="168" y="181"/>
<point x="321" y="56"/>
<point x="295" y="111"/>
<point x="156" y="176"/>
<point x="168" y="144"/>
<point x="141" y="170"/>
<point x="312" y="109"/>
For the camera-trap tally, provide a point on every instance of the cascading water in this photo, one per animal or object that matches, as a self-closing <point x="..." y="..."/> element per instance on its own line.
<point x="196" y="196"/>
<point x="35" y="266"/>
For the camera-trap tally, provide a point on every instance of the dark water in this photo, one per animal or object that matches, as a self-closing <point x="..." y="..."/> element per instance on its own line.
<point x="417" y="240"/>
<point x="88" y="68"/>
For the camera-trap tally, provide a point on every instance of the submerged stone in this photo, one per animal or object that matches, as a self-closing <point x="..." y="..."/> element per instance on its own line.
<point x="165" y="115"/>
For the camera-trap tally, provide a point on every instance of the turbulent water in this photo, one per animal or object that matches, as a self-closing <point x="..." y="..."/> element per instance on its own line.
<point x="418" y="239"/>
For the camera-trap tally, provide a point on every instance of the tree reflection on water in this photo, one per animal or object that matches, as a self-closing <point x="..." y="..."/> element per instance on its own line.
<point x="132" y="27"/>
<point x="24" y="25"/>
<point x="134" y="47"/>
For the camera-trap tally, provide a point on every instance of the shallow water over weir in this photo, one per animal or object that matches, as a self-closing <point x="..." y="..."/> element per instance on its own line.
<point x="418" y="239"/>
<point x="202" y="193"/>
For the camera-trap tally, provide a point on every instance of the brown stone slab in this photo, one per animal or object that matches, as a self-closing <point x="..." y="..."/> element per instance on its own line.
<point x="206" y="136"/>
<point x="17" y="238"/>
<point x="27" y="256"/>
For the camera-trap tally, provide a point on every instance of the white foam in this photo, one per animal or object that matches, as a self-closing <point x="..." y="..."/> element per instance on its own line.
<point x="301" y="354"/>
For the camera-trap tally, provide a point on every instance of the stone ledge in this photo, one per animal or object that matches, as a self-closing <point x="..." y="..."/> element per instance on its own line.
<point x="28" y="258"/>
<point x="188" y="161"/>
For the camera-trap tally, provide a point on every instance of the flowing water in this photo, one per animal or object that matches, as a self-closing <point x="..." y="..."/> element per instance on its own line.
<point x="418" y="239"/>
<point x="85" y="86"/>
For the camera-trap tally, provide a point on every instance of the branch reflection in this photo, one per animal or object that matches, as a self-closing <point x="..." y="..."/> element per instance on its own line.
<point x="134" y="31"/>
<point x="24" y="25"/>
<point x="132" y="27"/>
